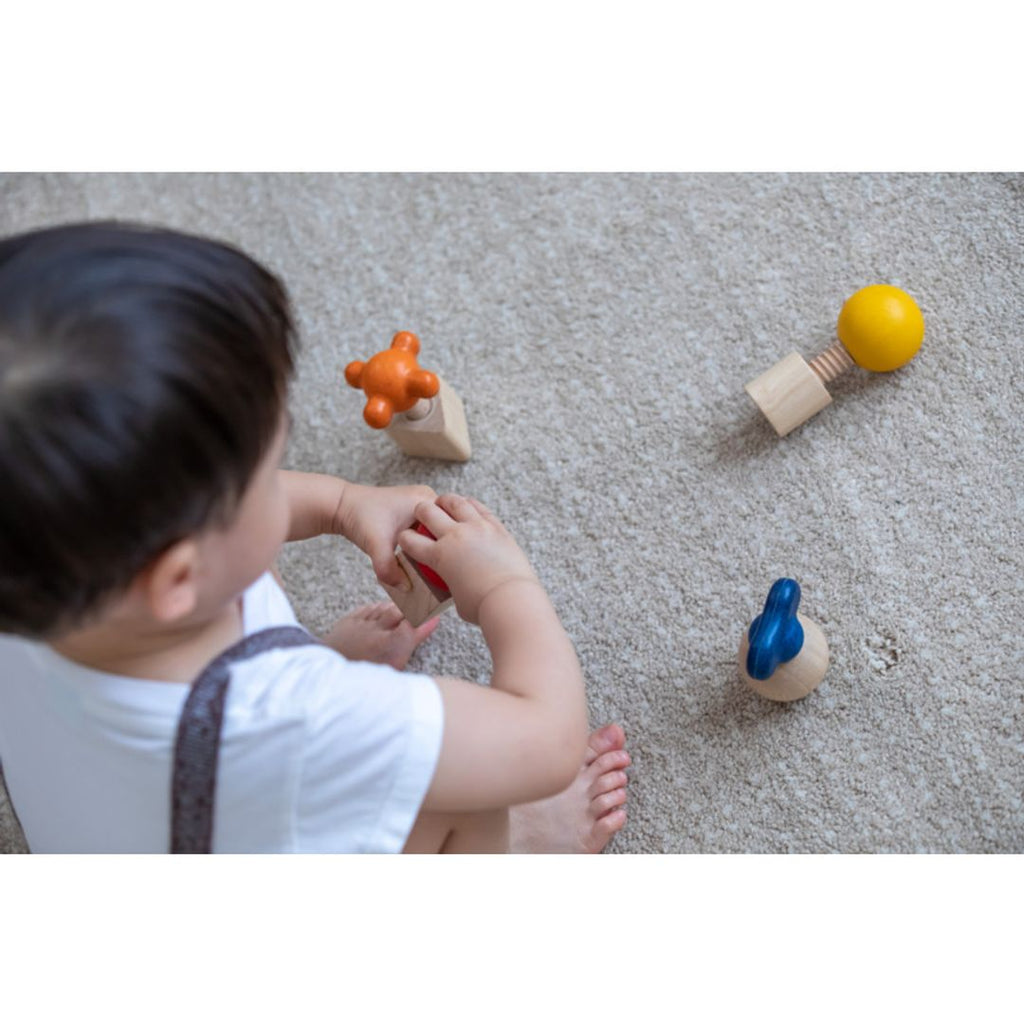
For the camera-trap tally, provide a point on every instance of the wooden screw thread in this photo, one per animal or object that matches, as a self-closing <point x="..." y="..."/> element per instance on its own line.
<point x="832" y="362"/>
<point x="420" y="409"/>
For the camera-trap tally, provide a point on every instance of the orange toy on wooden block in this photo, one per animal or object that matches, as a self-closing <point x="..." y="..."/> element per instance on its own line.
<point x="419" y="411"/>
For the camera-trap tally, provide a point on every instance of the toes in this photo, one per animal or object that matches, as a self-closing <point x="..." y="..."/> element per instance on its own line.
<point x="614" y="760"/>
<point x="601" y="805"/>
<point x="602" y="830"/>
<point x="406" y="639"/>
<point x="610" y="737"/>
<point x="420" y="633"/>
<point x="607" y="826"/>
<point x="414" y="635"/>
<point x="389" y="616"/>
<point x="606" y="783"/>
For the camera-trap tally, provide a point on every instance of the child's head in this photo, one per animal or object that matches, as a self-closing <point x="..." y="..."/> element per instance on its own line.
<point x="143" y="381"/>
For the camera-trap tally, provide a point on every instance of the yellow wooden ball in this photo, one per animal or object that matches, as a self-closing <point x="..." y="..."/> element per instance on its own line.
<point x="881" y="327"/>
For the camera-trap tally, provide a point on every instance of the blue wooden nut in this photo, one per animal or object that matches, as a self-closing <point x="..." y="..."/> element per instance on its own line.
<point x="783" y="655"/>
<point x="775" y="635"/>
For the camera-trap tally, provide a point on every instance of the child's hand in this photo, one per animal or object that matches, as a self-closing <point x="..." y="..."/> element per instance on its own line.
<point x="473" y="552"/>
<point x="372" y="518"/>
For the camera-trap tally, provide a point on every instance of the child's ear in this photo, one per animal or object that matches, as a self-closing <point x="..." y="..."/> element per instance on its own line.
<point x="169" y="585"/>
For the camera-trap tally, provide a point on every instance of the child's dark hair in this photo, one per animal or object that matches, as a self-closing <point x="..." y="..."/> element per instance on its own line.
<point x="143" y="373"/>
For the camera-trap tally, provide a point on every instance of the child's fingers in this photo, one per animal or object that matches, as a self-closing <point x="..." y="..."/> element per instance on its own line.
<point x="434" y="518"/>
<point x="459" y="508"/>
<point x="417" y="547"/>
<point x="387" y="569"/>
<point x="482" y="508"/>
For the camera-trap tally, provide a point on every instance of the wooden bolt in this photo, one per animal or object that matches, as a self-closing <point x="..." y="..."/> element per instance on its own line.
<point x="880" y="328"/>
<point x="419" y="411"/>
<point x="783" y="656"/>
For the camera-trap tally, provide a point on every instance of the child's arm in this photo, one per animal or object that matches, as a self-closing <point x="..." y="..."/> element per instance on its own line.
<point x="370" y="517"/>
<point x="313" y="498"/>
<point x="523" y="737"/>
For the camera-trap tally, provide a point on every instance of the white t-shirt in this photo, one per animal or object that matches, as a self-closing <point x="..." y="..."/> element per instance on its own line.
<point x="318" y="754"/>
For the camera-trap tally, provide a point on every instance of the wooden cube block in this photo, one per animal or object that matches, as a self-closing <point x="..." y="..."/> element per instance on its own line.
<point x="424" y="600"/>
<point x="435" y="428"/>
<point x="789" y="394"/>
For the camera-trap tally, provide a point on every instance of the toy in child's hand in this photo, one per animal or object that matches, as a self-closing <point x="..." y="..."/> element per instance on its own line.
<point x="429" y="575"/>
<point x="783" y="656"/>
<point x="880" y="328"/>
<point x="419" y="411"/>
<point x="428" y="594"/>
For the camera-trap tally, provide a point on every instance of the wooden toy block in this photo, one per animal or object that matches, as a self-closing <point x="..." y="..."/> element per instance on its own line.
<point x="419" y="411"/>
<point x="880" y="328"/>
<point x="424" y="600"/>
<point x="789" y="394"/>
<point x="783" y="656"/>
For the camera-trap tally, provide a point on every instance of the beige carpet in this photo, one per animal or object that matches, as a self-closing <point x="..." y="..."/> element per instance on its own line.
<point x="599" y="329"/>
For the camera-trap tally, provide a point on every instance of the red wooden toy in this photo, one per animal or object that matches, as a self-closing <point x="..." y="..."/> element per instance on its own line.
<point x="425" y="571"/>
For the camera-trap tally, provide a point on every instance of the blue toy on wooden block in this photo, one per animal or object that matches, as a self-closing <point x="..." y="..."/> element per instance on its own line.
<point x="783" y="656"/>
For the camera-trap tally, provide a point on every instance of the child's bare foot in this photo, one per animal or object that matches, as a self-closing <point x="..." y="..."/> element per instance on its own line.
<point x="379" y="633"/>
<point x="584" y="817"/>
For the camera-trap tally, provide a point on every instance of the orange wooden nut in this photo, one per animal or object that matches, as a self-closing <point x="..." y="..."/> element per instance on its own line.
<point x="392" y="380"/>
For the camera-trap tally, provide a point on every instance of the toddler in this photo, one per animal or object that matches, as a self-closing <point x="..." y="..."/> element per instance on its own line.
<point x="143" y="417"/>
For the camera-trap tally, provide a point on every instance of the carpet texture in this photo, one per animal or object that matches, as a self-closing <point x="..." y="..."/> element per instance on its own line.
<point x="600" y="329"/>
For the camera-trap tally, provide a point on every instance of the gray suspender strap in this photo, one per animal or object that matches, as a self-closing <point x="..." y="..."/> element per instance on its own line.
<point x="197" y="746"/>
